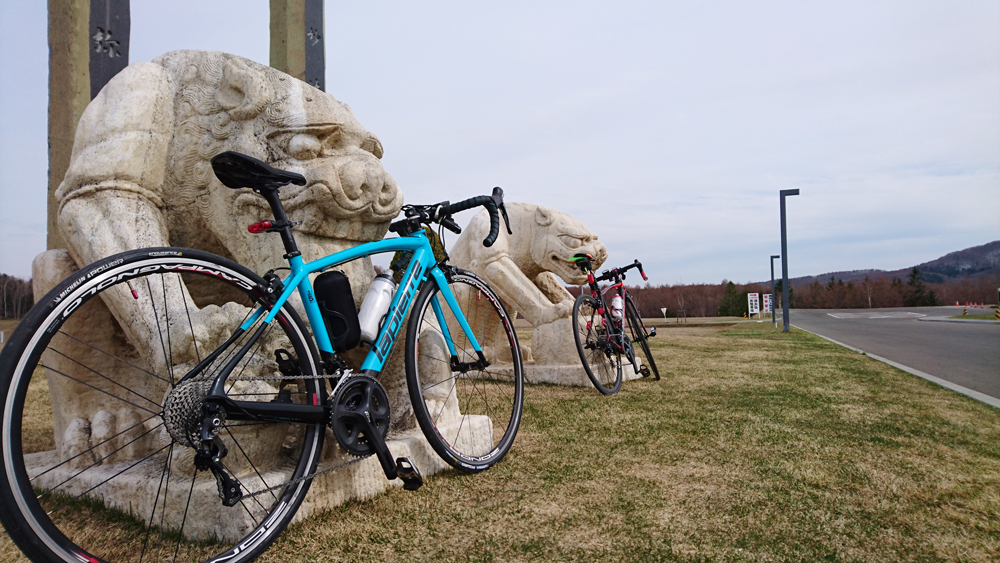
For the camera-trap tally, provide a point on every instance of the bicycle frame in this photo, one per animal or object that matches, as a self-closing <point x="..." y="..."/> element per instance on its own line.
<point x="616" y="329"/>
<point x="422" y="267"/>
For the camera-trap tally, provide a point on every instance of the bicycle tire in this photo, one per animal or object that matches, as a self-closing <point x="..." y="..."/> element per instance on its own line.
<point x="639" y="335"/>
<point x="602" y="364"/>
<point x="132" y="493"/>
<point x="457" y="409"/>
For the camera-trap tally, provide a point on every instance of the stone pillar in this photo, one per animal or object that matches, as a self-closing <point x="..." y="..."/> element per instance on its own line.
<point x="88" y="45"/>
<point x="297" y="40"/>
<point x="69" y="92"/>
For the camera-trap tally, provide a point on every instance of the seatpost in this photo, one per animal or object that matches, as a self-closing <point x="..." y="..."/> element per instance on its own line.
<point x="283" y="226"/>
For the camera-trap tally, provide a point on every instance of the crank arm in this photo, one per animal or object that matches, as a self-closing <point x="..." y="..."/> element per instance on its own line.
<point x="381" y="449"/>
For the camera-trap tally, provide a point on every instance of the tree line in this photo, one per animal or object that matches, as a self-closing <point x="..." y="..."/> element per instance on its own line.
<point x="16" y="297"/>
<point x="730" y="299"/>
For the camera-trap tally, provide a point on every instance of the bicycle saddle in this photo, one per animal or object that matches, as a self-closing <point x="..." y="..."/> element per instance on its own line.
<point x="237" y="170"/>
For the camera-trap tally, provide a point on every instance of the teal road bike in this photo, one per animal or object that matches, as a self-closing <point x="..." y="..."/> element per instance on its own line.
<point x="202" y="445"/>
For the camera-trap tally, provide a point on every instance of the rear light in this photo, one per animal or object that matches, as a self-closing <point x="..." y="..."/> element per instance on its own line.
<point x="260" y="227"/>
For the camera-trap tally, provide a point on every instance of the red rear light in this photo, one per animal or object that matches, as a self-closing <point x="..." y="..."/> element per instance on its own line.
<point x="259" y="227"/>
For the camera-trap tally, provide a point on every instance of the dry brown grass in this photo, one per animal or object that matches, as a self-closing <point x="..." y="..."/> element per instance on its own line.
<point x="755" y="446"/>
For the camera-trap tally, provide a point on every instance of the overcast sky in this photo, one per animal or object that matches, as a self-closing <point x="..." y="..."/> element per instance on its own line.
<point x="668" y="128"/>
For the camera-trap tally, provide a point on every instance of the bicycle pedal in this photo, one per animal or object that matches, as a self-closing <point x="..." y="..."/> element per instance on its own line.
<point x="652" y="332"/>
<point x="409" y="474"/>
<point x="644" y="371"/>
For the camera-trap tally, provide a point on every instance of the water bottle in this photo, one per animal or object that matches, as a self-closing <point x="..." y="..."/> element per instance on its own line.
<point x="617" y="307"/>
<point x="375" y="306"/>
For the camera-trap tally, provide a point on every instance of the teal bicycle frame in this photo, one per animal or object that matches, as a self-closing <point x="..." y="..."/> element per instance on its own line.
<point x="422" y="267"/>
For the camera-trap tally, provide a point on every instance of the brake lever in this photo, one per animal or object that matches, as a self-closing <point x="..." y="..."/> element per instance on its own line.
<point x="451" y="225"/>
<point x="498" y="200"/>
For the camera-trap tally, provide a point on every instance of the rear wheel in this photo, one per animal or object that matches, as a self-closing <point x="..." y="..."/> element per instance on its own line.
<point x="96" y="431"/>
<point x="638" y="331"/>
<point x="601" y="361"/>
<point x="468" y="409"/>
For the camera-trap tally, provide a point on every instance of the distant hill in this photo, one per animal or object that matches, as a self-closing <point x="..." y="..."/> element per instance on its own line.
<point x="963" y="264"/>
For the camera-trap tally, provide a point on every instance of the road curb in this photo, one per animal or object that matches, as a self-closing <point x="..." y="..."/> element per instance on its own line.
<point x="951" y="320"/>
<point x="976" y="395"/>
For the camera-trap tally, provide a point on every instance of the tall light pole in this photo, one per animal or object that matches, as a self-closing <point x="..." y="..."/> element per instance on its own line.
<point x="773" y="319"/>
<point x="784" y="260"/>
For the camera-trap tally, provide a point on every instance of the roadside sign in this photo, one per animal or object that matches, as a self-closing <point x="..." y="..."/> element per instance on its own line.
<point x="753" y="301"/>
<point x="767" y="303"/>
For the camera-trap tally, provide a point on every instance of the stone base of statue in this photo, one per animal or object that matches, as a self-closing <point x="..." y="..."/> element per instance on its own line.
<point x="132" y="486"/>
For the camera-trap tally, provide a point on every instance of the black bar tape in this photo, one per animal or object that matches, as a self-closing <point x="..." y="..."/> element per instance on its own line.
<point x="479" y="200"/>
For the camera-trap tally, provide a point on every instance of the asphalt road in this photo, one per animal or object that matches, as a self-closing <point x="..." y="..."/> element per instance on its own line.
<point x="967" y="354"/>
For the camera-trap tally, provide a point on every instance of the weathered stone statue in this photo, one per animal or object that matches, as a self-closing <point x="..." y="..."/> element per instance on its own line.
<point x="525" y="269"/>
<point x="140" y="176"/>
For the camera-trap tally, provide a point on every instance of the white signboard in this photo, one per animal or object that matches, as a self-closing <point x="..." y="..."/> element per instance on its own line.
<point x="753" y="300"/>
<point x="767" y="303"/>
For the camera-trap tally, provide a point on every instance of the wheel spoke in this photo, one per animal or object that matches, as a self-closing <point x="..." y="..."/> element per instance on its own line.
<point x="53" y="370"/>
<point x="95" y="446"/>
<point x="58" y="508"/>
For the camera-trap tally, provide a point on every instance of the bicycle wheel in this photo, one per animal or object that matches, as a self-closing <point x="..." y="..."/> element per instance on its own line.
<point x="602" y="362"/>
<point x="469" y="413"/>
<point x="638" y="331"/>
<point x="96" y="467"/>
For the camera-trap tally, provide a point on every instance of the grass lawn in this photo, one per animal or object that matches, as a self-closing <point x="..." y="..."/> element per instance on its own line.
<point x="755" y="446"/>
<point x="983" y="317"/>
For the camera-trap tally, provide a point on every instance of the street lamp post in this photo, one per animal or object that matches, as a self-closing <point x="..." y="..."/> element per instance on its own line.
<point x="784" y="260"/>
<point x="773" y="301"/>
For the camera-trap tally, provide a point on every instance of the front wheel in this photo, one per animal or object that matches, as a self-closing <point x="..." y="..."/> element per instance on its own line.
<point x="98" y="463"/>
<point x="639" y="335"/>
<point x="468" y="403"/>
<point x="601" y="360"/>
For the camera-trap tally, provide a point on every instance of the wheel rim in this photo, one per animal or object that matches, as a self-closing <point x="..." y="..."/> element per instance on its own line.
<point x="124" y="489"/>
<point x="473" y="413"/>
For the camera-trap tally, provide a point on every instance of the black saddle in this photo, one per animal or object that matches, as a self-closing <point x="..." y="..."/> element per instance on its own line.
<point x="237" y="170"/>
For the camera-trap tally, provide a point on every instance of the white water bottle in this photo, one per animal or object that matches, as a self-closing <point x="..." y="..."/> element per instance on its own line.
<point x="617" y="307"/>
<point x="375" y="306"/>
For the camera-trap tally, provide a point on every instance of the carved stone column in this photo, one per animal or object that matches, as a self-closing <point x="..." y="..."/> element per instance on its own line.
<point x="297" y="40"/>
<point x="69" y="92"/>
<point x="88" y="45"/>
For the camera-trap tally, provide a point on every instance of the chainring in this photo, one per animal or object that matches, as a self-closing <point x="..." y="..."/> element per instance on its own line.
<point x="357" y="398"/>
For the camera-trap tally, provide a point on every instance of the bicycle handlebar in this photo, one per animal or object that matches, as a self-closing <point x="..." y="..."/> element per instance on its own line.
<point x="442" y="212"/>
<point x="612" y="274"/>
<point x="492" y="203"/>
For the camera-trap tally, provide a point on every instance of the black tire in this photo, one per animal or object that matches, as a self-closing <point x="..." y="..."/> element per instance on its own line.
<point x="638" y="331"/>
<point x="456" y="408"/>
<point x="601" y="361"/>
<point x="118" y="486"/>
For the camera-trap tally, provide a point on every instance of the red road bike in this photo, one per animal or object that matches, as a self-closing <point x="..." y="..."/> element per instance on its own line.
<point x="600" y="330"/>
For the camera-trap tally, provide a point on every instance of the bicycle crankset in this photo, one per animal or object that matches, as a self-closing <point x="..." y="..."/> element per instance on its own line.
<point x="360" y="404"/>
<point x="359" y="417"/>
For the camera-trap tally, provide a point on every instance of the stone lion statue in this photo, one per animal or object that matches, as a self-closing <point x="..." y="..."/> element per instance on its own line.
<point x="525" y="268"/>
<point x="140" y="176"/>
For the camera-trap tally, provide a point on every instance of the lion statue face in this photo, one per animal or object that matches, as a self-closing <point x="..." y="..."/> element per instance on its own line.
<point x="564" y="238"/>
<point x="224" y="102"/>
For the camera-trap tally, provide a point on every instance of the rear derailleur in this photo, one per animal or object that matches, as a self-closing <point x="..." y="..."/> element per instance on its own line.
<point x="210" y="453"/>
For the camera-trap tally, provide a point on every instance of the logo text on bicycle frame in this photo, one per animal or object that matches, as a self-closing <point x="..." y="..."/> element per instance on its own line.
<point x="396" y="321"/>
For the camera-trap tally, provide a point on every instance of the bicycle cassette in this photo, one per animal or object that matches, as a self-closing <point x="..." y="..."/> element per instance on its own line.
<point x="357" y="401"/>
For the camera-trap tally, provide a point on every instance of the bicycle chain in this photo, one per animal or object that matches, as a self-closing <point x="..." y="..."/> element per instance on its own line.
<point x="293" y="482"/>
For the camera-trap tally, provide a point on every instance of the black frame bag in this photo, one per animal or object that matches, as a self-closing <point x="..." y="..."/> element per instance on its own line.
<point x="333" y="294"/>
